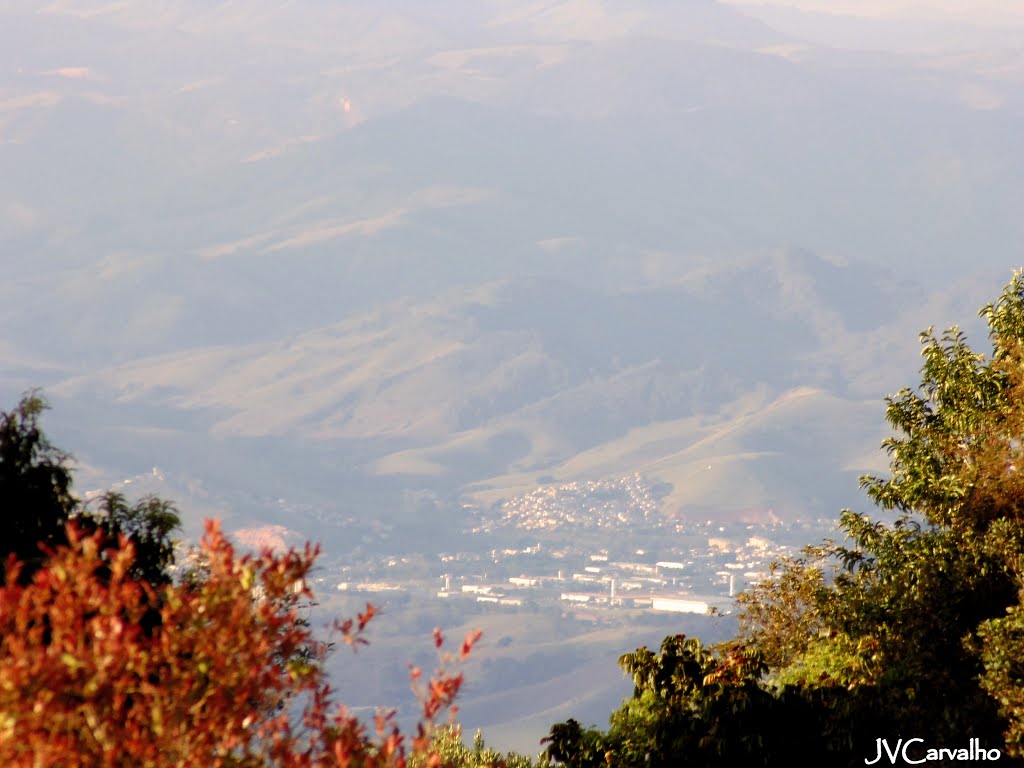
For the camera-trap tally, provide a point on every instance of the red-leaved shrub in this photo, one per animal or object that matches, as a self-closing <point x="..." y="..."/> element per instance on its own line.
<point x="99" y="669"/>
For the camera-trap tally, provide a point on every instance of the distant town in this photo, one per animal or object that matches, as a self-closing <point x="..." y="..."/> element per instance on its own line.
<point x="590" y="548"/>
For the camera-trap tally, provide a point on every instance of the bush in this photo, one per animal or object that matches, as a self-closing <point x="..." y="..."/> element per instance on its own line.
<point x="229" y="676"/>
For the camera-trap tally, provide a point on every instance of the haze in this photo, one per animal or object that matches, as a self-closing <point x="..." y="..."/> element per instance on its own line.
<point x="373" y="273"/>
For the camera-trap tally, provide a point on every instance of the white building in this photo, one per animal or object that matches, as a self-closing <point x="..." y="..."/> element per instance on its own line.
<point x="679" y="605"/>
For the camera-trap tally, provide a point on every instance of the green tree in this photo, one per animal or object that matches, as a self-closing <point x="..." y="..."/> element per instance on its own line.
<point x="35" y="486"/>
<point x="149" y="524"/>
<point x="911" y="626"/>
<point x="904" y="606"/>
<point x="447" y="743"/>
<point x="36" y="503"/>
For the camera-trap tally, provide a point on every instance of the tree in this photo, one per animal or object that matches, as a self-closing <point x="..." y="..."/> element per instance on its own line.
<point x="913" y="604"/>
<point x="36" y="502"/>
<point x="149" y="524"/>
<point x="35" y="485"/>
<point x="912" y="626"/>
<point x="219" y="681"/>
<point x="696" y="706"/>
<point x="449" y="746"/>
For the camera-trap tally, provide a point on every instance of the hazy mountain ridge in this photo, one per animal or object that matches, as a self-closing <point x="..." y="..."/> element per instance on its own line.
<point x="515" y="243"/>
<point x="490" y="387"/>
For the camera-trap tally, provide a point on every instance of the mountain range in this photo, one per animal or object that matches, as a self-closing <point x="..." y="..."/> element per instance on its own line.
<point x="399" y="248"/>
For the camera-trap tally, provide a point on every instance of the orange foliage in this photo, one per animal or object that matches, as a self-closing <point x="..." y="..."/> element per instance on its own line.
<point x="228" y="676"/>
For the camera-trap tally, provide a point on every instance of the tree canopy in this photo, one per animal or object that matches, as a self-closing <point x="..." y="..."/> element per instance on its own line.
<point x="36" y="502"/>
<point x="35" y="485"/>
<point x="910" y="627"/>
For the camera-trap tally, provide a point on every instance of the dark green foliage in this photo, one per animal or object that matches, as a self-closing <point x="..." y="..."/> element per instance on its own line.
<point x="148" y="524"/>
<point x="36" y="503"/>
<point x="35" y="487"/>
<point x="1002" y="644"/>
<point x="697" y="707"/>
<point x="910" y="628"/>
